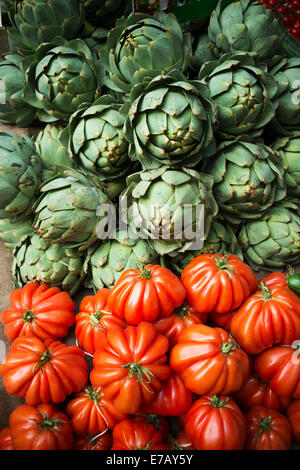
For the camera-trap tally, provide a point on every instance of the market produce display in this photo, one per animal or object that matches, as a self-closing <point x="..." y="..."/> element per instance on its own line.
<point x="196" y="126"/>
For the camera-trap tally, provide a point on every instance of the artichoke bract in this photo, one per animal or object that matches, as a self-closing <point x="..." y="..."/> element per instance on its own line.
<point x="289" y="149"/>
<point x="37" y="21"/>
<point x="61" y="78"/>
<point x="13" y="109"/>
<point x="114" y="256"/>
<point x="12" y="231"/>
<point x="66" y="211"/>
<point x="248" y="179"/>
<point x="52" y="264"/>
<point x="247" y="26"/>
<point x="273" y="242"/>
<point x="170" y="121"/>
<point x="243" y="94"/>
<point x="20" y="169"/>
<point x="172" y="208"/>
<point x="204" y="51"/>
<point x="143" y="45"/>
<point x="287" y="74"/>
<point x="96" y="139"/>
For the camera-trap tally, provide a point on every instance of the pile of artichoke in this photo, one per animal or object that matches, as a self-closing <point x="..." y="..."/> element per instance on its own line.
<point x="160" y="122"/>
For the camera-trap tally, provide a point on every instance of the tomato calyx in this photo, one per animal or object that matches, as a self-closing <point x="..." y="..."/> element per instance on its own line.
<point x="228" y="347"/>
<point x="154" y="420"/>
<point x="266" y="294"/>
<point x="45" y="357"/>
<point x="28" y="316"/>
<point x="217" y="403"/>
<point x="140" y="372"/>
<point x="264" y="425"/>
<point x="92" y="393"/>
<point x="221" y="264"/>
<point x="95" y="319"/>
<point x="144" y="273"/>
<point x="174" y="443"/>
<point x="48" y="423"/>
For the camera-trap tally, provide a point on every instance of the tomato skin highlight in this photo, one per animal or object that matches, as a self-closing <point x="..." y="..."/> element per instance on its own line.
<point x="6" y="442"/>
<point x="137" y="435"/>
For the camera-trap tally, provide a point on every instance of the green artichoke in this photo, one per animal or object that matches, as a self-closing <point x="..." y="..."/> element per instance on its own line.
<point x="38" y="21"/>
<point x="52" y="264"/>
<point x="273" y="242"/>
<point x="14" y="110"/>
<point x="104" y="12"/>
<point x="248" y="179"/>
<point x="170" y="121"/>
<point x="96" y="140"/>
<point x="247" y="26"/>
<point x="12" y="231"/>
<point x="20" y="169"/>
<point x="289" y="149"/>
<point x="52" y="152"/>
<point x="114" y="256"/>
<point x="66" y="211"/>
<point x="143" y="45"/>
<point x="287" y="73"/>
<point x="204" y="51"/>
<point x="166" y="205"/>
<point x="96" y="39"/>
<point x="61" y="78"/>
<point x="243" y="94"/>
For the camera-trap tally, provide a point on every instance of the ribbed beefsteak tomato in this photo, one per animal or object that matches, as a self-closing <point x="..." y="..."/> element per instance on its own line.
<point x="43" y="371"/>
<point x="209" y="361"/>
<point x="6" y="442"/>
<point x="293" y="415"/>
<point x="38" y="310"/>
<point x="103" y="442"/>
<point x="136" y="435"/>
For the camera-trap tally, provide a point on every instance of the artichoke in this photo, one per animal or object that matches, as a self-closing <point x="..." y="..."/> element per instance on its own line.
<point x="96" y="139"/>
<point x="61" y="78"/>
<point x="114" y="256"/>
<point x="273" y="242"/>
<point x="20" y="169"/>
<point x="289" y="149"/>
<point x="14" y="110"/>
<point x="287" y="73"/>
<point x="204" y="51"/>
<point x="12" y="231"/>
<point x="66" y="211"/>
<point x="170" y="121"/>
<point x="248" y="179"/>
<point x="243" y="94"/>
<point x="172" y="208"/>
<point x="38" y="21"/>
<point x="52" y="152"/>
<point x="105" y="12"/>
<point x="247" y="26"/>
<point x="143" y="45"/>
<point x="52" y="264"/>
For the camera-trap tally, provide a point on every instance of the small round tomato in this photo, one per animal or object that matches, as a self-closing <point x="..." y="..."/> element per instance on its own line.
<point x="89" y="442"/>
<point x="267" y="429"/>
<point x="215" y="423"/>
<point x="136" y="435"/>
<point x="293" y="415"/>
<point x="6" y="442"/>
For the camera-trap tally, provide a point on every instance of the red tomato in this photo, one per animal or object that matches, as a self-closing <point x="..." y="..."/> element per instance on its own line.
<point x="146" y="294"/>
<point x="41" y="427"/>
<point x="43" y="371"/>
<point x="131" y="366"/>
<point x="280" y="366"/>
<point x="268" y="317"/>
<point x="217" y="283"/>
<point x="209" y="361"/>
<point x="267" y="429"/>
<point x="258" y="392"/>
<point x="103" y="442"/>
<point x="37" y="310"/>
<point x="215" y="423"/>
<point x="183" y="317"/>
<point x="275" y="279"/>
<point x="159" y="422"/>
<point x="6" y="442"/>
<point x="173" y="399"/>
<point x="293" y="415"/>
<point x="92" y="413"/>
<point x="222" y="319"/>
<point x="93" y="320"/>
<point x="181" y="442"/>
<point x="133" y="435"/>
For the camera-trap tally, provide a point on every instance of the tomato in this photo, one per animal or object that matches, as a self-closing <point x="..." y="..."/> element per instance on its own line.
<point x="258" y="392"/>
<point x="41" y="427"/>
<point x="267" y="429"/>
<point x="183" y="317"/>
<point x="275" y="279"/>
<point x="268" y="317"/>
<point x="103" y="442"/>
<point x="136" y="435"/>
<point x="159" y="422"/>
<point x="181" y="442"/>
<point x="131" y="365"/>
<point x="6" y="442"/>
<point x="146" y="294"/>
<point x="93" y="320"/>
<point x="280" y="366"/>
<point x="209" y="361"/>
<point x="215" y="423"/>
<point x="91" y="413"/>
<point x="43" y="371"/>
<point x="222" y="319"/>
<point x="217" y="283"/>
<point x="293" y="415"/>
<point x="38" y="310"/>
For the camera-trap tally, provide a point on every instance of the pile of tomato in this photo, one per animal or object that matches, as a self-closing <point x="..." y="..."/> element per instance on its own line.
<point x="288" y="12"/>
<point x="210" y="361"/>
